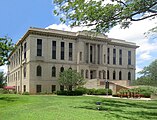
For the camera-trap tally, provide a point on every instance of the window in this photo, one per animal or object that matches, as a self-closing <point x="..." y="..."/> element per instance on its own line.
<point x="61" y="88"/>
<point x="104" y="58"/>
<point x="24" y="71"/>
<point x="70" y="51"/>
<point x="129" y="75"/>
<point x="53" y="88"/>
<point x="129" y="57"/>
<point x="114" y="56"/>
<point x="70" y="68"/>
<point x="99" y="74"/>
<point x="38" y="88"/>
<point x="91" y="56"/>
<point x="39" y="70"/>
<point x="104" y="74"/>
<point x="114" y="75"/>
<point x="19" y="56"/>
<point x="108" y="56"/>
<point x="62" y="50"/>
<point x="53" y="49"/>
<point x="53" y="71"/>
<point x="120" y="57"/>
<point x="25" y="45"/>
<point x="108" y="74"/>
<point x="80" y="56"/>
<point x="39" y="47"/>
<point x="24" y="88"/>
<point x="120" y="75"/>
<point x="86" y="73"/>
<point x="61" y="69"/>
<point x="82" y="73"/>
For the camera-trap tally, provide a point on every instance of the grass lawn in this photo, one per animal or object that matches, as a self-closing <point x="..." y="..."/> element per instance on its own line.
<point x="40" y="107"/>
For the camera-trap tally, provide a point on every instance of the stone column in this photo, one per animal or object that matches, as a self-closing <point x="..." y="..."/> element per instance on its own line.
<point x="96" y="55"/>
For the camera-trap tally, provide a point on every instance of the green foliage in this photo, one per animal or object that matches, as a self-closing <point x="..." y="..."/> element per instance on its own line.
<point x="99" y="91"/>
<point x="104" y="15"/>
<point x="25" y="93"/>
<point x="6" y="46"/>
<point x="3" y="79"/>
<point x="71" y="78"/>
<point x="143" y="91"/>
<point x="148" y="75"/>
<point x="70" y="93"/>
<point x="3" y="91"/>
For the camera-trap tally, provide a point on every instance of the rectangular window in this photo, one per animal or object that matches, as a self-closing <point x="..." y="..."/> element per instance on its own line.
<point x="53" y="88"/>
<point x="114" y="56"/>
<point x="39" y="47"/>
<point x="80" y="56"/>
<point x="19" y="56"/>
<point x="25" y="46"/>
<point x="120" y="57"/>
<point x="70" y="51"/>
<point x="24" y="88"/>
<point x="129" y="57"/>
<point x="91" y="55"/>
<point x="62" y="50"/>
<point x="61" y="87"/>
<point x="104" y="58"/>
<point x="38" y="88"/>
<point x="53" y="49"/>
<point x="108" y="56"/>
<point x="24" y="72"/>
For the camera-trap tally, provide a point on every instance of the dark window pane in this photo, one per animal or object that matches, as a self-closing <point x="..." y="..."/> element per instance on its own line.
<point x="39" y="70"/>
<point x="38" y="88"/>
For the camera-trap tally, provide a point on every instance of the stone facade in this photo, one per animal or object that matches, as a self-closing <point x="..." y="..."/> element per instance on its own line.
<point x="42" y="53"/>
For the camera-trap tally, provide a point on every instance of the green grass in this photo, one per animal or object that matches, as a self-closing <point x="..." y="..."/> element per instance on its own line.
<point x="40" y="107"/>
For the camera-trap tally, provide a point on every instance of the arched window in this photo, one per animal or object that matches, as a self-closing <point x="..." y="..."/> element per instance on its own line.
<point x="99" y="74"/>
<point x="62" y="69"/>
<point x="108" y="74"/>
<point x="53" y="71"/>
<point x="129" y="75"/>
<point x="70" y="68"/>
<point x="86" y="73"/>
<point x="104" y="74"/>
<point x="39" y="70"/>
<point x="82" y="73"/>
<point x="120" y="75"/>
<point x="114" y="75"/>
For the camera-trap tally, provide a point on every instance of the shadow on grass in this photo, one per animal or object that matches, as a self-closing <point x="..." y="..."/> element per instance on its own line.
<point x="9" y="99"/>
<point x="125" y="109"/>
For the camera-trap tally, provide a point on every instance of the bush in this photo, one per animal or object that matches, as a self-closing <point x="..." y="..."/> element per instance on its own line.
<point x="3" y="91"/>
<point x="99" y="91"/>
<point x="82" y="89"/>
<point x="25" y="93"/>
<point x="70" y="93"/>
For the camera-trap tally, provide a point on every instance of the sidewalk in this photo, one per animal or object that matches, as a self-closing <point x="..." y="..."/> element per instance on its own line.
<point x="110" y="96"/>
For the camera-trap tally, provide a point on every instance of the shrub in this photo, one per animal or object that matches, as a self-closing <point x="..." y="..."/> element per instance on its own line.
<point x="99" y="91"/>
<point x="70" y="93"/>
<point x="82" y="89"/>
<point x="25" y="93"/>
<point x="3" y="91"/>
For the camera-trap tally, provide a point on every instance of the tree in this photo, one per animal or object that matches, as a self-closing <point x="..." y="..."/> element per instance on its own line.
<point x="148" y="75"/>
<point x="104" y="15"/>
<point x="6" y="46"/>
<point x="2" y="79"/>
<point x="70" y="78"/>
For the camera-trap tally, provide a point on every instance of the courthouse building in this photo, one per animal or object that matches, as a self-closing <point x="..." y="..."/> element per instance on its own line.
<point x="41" y="55"/>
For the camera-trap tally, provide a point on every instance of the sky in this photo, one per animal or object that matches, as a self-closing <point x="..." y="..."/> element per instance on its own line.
<point x="16" y="16"/>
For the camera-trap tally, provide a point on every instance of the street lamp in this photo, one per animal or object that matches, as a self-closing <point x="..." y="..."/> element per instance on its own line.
<point x="106" y="86"/>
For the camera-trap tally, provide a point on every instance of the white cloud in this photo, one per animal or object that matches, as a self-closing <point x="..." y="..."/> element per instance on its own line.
<point x="67" y="28"/>
<point x="3" y="68"/>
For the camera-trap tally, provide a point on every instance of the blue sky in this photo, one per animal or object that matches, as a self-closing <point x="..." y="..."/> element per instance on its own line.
<point x="16" y="16"/>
